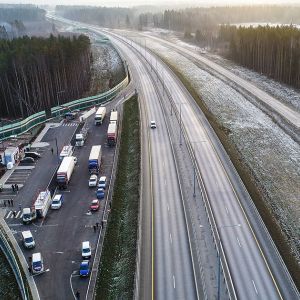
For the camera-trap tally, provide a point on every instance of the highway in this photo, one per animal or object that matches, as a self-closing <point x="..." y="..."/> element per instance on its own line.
<point x="255" y="280"/>
<point x="292" y="116"/>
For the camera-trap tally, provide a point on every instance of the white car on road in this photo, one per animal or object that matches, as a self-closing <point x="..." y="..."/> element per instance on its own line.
<point x="152" y="124"/>
<point x="93" y="180"/>
<point x="102" y="182"/>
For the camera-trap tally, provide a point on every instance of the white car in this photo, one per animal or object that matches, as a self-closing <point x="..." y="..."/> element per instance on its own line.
<point x="152" y="124"/>
<point x="57" y="202"/>
<point x="93" y="180"/>
<point x="102" y="182"/>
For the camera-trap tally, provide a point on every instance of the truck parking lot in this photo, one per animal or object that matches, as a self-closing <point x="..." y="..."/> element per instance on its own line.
<point x="59" y="236"/>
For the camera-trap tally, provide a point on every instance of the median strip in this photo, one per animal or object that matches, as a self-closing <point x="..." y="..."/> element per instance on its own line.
<point x="118" y="261"/>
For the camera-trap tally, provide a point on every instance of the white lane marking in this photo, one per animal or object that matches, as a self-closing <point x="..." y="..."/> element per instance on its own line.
<point x="165" y="182"/>
<point x="58" y="252"/>
<point x="226" y="210"/>
<point x="168" y="207"/>
<point x="8" y="215"/>
<point x="17" y="216"/>
<point x="239" y="242"/>
<point x="171" y="238"/>
<point x="174" y="285"/>
<point x="255" y="287"/>
<point x="72" y="287"/>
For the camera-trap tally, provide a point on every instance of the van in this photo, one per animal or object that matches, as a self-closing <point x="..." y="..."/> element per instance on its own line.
<point x="57" y="201"/>
<point x="86" y="251"/>
<point x="27" y="239"/>
<point x="37" y="263"/>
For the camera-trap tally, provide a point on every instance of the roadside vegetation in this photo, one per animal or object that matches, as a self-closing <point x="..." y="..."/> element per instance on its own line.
<point x="118" y="261"/>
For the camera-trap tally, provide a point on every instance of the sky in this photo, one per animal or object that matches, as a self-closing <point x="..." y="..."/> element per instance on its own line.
<point x="124" y="3"/>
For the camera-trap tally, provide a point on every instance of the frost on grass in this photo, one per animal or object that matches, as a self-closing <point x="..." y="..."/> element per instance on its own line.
<point x="272" y="156"/>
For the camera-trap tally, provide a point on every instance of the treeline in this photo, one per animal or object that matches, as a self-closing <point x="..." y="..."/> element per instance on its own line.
<point x="113" y="17"/>
<point x="273" y="51"/>
<point x="10" y="13"/>
<point x="37" y="73"/>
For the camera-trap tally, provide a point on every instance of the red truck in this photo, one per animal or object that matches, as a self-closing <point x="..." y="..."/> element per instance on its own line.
<point x="112" y="134"/>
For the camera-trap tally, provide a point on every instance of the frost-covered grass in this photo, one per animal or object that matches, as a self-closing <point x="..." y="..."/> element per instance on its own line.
<point x="272" y="156"/>
<point x="118" y="260"/>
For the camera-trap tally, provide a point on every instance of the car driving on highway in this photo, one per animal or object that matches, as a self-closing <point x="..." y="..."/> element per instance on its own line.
<point x="57" y="201"/>
<point x="152" y="124"/>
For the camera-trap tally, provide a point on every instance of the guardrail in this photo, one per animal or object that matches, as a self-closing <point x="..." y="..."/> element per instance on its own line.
<point x="80" y="104"/>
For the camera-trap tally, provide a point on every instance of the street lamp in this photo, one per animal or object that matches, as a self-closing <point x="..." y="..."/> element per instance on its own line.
<point x="219" y="260"/>
<point x="59" y="92"/>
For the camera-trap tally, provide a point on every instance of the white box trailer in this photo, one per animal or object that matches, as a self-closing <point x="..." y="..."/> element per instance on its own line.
<point x="87" y="114"/>
<point x="100" y="115"/>
<point x="113" y="117"/>
<point x="95" y="159"/>
<point x="42" y="203"/>
<point x="66" y="151"/>
<point x="65" y="171"/>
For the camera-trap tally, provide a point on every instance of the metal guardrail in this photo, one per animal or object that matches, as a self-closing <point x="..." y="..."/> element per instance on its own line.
<point x="80" y="104"/>
<point x="10" y="255"/>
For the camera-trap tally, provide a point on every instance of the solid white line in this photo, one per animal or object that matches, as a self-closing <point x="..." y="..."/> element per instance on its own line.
<point x="239" y="242"/>
<point x="226" y="210"/>
<point x="255" y="287"/>
<point x="72" y="287"/>
<point x="174" y="282"/>
<point x="171" y="238"/>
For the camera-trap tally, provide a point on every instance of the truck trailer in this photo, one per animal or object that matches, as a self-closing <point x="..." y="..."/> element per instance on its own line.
<point x="95" y="159"/>
<point x="65" y="171"/>
<point x="113" y="117"/>
<point x="100" y="115"/>
<point x="112" y="134"/>
<point x="42" y="204"/>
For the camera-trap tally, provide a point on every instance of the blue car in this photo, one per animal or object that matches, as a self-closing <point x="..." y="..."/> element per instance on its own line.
<point x="100" y="193"/>
<point x="84" y="270"/>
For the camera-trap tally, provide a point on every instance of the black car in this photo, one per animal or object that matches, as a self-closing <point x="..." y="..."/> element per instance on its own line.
<point x="34" y="155"/>
<point x="27" y="160"/>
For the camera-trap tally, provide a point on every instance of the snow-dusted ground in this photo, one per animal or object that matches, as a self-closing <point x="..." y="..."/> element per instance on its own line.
<point x="282" y="92"/>
<point x="272" y="155"/>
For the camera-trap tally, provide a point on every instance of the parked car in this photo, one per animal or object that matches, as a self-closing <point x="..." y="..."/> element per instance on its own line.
<point x="34" y="155"/>
<point x="84" y="270"/>
<point x="27" y="239"/>
<point x="27" y="160"/>
<point x="102" y="182"/>
<point x="57" y="201"/>
<point x="93" y="180"/>
<point x="152" y="124"/>
<point x="86" y="251"/>
<point x="100" y="193"/>
<point x="37" y="263"/>
<point x="95" y="204"/>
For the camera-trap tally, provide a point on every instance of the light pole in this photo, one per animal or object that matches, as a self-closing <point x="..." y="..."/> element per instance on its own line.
<point x="219" y="260"/>
<point x="59" y="92"/>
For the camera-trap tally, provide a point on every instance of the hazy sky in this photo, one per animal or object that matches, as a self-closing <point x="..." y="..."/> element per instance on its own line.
<point x="150" y="2"/>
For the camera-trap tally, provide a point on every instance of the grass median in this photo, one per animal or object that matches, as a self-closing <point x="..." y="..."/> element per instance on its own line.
<point x="118" y="261"/>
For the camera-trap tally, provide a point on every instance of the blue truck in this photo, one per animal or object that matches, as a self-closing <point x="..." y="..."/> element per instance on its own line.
<point x="95" y="159"/>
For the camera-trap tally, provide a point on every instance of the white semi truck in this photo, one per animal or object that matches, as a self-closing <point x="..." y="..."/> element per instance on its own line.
<point x="100" y="115"/>
<point x="66" y="151"/>
<point x="81" y="136"/>
<point x="113" y="117"/>
<point x="65" y="171"/>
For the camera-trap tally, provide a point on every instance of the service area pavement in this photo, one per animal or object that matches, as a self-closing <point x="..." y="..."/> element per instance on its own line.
<point x="59" y="236"/>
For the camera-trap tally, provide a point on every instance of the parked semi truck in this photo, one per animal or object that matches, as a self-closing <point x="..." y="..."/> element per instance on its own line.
<point x="65" y="171"/>
<point x="66" y="151"/>
<point x="112" y="134"/>
<point x="113" y="117"/>
<point x="95" y="159"/>
<point x="100" y="115"/>
<point x="42" y="204"/>
<point x="81" y="136"/>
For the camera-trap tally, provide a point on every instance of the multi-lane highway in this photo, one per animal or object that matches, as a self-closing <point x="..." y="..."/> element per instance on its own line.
<point x="166" y="265"/>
